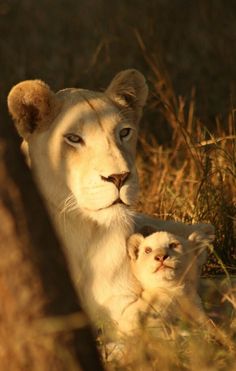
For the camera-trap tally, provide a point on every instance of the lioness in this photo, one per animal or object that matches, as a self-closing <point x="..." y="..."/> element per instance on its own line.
<point x="82" y="148"/>
<point x="167" y="268"/>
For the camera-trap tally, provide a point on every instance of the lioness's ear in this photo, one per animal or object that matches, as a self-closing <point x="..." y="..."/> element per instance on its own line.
<point x="129" y="89"/>
<point x="32" y="105"/>
<point x="133" y="244"/>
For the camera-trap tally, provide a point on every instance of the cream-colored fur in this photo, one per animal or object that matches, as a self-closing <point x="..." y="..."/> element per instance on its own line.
<point x="81" y="146"/>
<point x="167" y="268"/>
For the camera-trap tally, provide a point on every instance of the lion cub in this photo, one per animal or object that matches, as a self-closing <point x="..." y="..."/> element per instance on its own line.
<point x="168" y="269"/>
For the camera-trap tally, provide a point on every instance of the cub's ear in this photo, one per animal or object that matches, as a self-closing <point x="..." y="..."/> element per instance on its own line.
<point x="32" y="105"/>
<point x="202" y="237"/>
<point x="146" y="230"/>
<point x="204" y="234"/>
<point x="133" y="244"/>
<point x="129" y="89"/>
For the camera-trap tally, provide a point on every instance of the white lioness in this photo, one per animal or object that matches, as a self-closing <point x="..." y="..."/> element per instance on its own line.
<point x="167" y="268"/>
<point x="82" y="151"/>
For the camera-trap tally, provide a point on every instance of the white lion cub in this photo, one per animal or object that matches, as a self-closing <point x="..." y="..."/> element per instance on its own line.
<point x="168" y="268"/>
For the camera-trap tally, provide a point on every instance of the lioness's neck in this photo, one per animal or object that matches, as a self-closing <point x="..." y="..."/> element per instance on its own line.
<point x="83" y="234"/>
<point x="96" y="254"/>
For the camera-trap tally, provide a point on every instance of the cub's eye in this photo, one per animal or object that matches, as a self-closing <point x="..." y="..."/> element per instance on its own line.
<point x="148" y="250"/>
<point x="173" y="245"/>
<point x="125" y="133"/>
<point x="73" y="139"/>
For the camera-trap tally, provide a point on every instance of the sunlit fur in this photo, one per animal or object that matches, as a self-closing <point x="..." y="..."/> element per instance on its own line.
<point x="93" y="230"/>
<point x="71" y="177"/>
<point x="166" y="267"/>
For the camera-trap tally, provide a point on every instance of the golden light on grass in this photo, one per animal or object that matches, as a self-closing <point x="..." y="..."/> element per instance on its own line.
<point x="191" y="179"/>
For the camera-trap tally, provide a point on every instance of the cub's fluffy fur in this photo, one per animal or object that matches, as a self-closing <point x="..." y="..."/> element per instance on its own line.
<point x="167" y="268"/>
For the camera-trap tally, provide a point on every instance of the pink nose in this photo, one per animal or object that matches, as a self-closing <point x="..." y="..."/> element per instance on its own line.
<point x="161" y="258"/>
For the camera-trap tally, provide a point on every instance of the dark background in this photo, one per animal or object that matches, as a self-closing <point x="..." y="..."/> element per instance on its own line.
<point x="83" y="43"/>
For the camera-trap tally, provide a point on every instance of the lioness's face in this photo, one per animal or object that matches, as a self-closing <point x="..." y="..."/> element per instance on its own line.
<point x="88" y="153"/>
<point x="159" y="259"/>
<point x="81" y="143"/>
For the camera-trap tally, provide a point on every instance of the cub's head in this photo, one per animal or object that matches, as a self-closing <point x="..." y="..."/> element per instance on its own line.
<point x="162" y="259"/>
<point x="82" y="143"/>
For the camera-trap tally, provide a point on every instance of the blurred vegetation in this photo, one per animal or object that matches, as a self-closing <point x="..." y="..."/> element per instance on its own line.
<point x="186" y="51"/>
<point x="85" y="42"/>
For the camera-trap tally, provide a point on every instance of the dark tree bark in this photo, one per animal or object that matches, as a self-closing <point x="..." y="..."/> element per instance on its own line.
<point x="42" y="327"/>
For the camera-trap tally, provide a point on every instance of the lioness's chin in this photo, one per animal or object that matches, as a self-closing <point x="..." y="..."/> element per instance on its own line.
<point x="117" y="213"/>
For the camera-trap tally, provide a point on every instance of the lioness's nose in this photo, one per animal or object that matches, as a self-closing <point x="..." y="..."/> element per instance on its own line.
<point x="117" y="179"/>
<point x="161" y="258"/>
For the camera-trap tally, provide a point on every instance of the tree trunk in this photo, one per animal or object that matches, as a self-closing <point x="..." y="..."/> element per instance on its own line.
<point x="42" y="327"/>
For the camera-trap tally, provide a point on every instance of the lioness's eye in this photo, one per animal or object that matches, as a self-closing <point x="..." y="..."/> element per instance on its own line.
<point x="125" y="133"/>
<point x="73" y="139"/>
<point x="148" y="250"/>
<point x="173" y="245"/>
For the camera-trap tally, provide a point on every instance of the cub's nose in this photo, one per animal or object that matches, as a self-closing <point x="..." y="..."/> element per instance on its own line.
<point x="117" y="179"/>
<point x="161" y="258"/>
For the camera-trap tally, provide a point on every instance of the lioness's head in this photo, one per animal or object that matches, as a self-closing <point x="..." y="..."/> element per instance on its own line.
<point x="162" y="259"/>
<point x="82" y="143"/>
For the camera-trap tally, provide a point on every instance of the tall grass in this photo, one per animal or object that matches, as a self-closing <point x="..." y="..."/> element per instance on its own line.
<point x="192" y="178"/>
<point x="186" y="348"/>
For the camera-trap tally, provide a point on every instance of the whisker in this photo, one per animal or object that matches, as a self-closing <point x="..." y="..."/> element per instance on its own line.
<point x="68" y="204"/>
<point x="199" y="249"/>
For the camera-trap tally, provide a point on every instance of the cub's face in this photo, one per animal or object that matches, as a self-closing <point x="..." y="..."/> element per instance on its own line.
<point x="82" y="144"/>
<point x="161" y="259"/>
